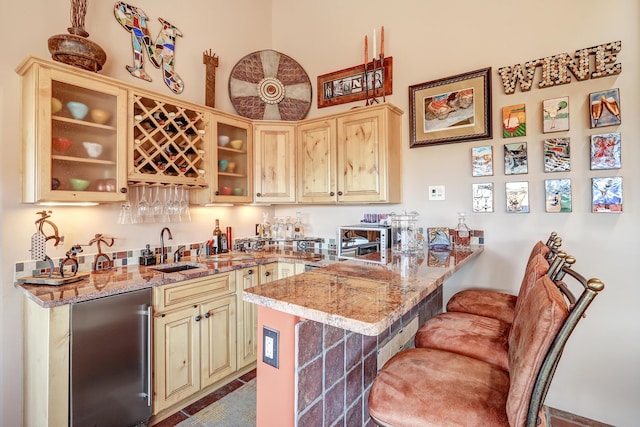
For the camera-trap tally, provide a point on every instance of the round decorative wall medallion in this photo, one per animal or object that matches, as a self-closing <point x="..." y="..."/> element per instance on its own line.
<point x="270" y="85"/>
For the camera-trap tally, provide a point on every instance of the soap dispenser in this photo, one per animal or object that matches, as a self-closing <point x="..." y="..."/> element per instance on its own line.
<point x="147" y="257"/>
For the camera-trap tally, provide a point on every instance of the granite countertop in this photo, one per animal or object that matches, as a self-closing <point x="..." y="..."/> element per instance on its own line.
<point x="358" y="296"/>
<point x="131" y="278"/>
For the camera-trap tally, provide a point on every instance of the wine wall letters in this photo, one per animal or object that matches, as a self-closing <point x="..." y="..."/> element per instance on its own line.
<point x="555" y="68"/>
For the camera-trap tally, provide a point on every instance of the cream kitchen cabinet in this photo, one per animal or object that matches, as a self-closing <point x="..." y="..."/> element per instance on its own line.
<point x="168" y="140"/>
<point x="194" y="337"/>
<point x="288" y="269"/>
<point x="231" y="169"/>
<point x="247" y="312"/>
<point x="247" y="344"/>
<point x="274" y="179"/>
<point x="351" y="157"/>
<point x="71" y="152"/>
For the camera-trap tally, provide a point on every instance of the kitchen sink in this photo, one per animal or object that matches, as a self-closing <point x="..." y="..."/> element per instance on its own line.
<point x="176" y="268"/>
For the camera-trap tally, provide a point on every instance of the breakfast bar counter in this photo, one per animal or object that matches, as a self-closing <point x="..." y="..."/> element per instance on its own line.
<point x="327" y="332"/>
<point x="362" y="297"/>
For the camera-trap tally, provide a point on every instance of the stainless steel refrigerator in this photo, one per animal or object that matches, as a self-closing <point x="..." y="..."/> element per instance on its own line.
<point x="111" y="361"/>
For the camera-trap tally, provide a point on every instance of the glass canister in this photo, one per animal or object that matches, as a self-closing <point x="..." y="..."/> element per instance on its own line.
<point x="404" y="232"/>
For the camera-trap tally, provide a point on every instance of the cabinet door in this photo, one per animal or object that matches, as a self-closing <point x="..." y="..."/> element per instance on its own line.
<point x="73" y="137"/>
<point x="247" y="318"/>
<point x="274" y="163"/>
<point x="288" y="269"/>
<point x="316" y="162"/>
<point x="369" y="150"/>
<point x="229" y="162"/>
<point x="268" y="272"/>
<point x="176" y="356"/>
<point x="218" y="337"/>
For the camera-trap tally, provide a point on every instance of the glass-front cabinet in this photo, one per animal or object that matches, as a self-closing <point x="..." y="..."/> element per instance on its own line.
<point x="74" y="128"/>
<point x="230" y="162"/>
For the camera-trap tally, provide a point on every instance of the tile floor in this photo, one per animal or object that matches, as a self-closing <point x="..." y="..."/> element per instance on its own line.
<point x="190" y="410"/>
<point x="558" y="418"/>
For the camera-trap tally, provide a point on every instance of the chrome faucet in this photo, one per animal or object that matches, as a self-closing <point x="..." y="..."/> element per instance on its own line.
<point x="179" y="253"/>
<point x="163" y="255"/>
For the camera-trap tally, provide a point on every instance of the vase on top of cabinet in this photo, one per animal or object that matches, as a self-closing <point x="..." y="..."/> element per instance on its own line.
<point x="351" y="157"/>
<point x="169" y="142"/>
<point x="229" y="159"/>
<point x="73" y="135"/>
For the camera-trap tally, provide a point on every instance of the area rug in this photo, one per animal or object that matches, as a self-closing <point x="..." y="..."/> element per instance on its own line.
<point x="237" y="409"/>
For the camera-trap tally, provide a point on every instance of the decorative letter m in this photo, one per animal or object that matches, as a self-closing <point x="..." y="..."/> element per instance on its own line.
<point x="160" y="52"/>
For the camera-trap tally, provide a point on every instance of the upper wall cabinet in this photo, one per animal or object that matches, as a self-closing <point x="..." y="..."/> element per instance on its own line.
<point x="275" y="162"/>
<point x="352" y="157"/>
<point x="73" y="135"/>
<point x="229" y="159"/>
<point x="168" y="141"/>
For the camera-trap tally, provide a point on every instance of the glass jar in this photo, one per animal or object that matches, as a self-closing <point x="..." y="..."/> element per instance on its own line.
<point x="462" y="235"/>
<point x="404" y="232"/>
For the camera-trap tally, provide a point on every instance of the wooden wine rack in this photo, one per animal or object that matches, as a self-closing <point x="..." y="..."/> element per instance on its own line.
<point x="169" y="143"/>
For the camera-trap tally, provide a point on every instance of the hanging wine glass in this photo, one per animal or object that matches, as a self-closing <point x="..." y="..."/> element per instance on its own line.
<point x="157" y="207"/>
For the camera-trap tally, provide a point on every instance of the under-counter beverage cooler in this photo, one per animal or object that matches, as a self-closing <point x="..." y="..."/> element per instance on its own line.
<point x="111" y="361"/>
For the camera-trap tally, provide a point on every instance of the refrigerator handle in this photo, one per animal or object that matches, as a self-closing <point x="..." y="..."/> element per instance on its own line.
<point x="148" y="354"/>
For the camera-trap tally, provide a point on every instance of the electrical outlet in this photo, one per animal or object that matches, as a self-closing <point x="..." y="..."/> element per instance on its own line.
<point x="436" y="192"/>
<point x="270" y="346"/>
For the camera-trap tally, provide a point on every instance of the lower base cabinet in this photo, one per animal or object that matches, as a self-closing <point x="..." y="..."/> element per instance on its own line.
<point x="248" y="312"/>
<point x="195" y="337"/>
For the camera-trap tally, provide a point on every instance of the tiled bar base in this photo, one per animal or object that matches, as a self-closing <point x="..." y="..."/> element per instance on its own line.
<point x="336" y="368"/>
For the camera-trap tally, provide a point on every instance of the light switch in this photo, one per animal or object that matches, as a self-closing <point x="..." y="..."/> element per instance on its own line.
<point x="436" y="192"/>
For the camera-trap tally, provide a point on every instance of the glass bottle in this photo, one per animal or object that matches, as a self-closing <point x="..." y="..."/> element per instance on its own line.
<point x="298" y="227"/>
<point x="462" y="235"/>
<point x="404" y="232"/>
<point x="266" y="226"/>
<point x="288" y="225"/>
<point x="217" y="238"/>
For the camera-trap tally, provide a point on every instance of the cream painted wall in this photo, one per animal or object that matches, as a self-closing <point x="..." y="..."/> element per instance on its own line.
<point x="599" y="375"/>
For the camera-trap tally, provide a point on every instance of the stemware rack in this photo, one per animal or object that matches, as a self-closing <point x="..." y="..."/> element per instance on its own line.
<point x="169" y="143"/>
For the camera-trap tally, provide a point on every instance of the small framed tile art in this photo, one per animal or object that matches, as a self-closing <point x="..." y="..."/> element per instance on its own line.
<point x="557" y="155"/>
<point x="517" y="196"/>
<point x="605" y="151"/>
<point x="482" y="161"/>
<point x="515" y="158"/>
<point x="557" y="195"/>
<point x="482" y="197"/>
<point x="606" y="194"/>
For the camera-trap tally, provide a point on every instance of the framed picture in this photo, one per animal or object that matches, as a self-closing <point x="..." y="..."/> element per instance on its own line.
<point x="438" y="238"/>
<point x="606" y="194"/>
<point x="482" y="197"/>
<point x="453" y="109"/>
<point x="515" y="158"/>
<point x="555" y="115"/>
<point x="514" y="121"/>
<point x="517" y="196"/>
<point x="482" y="161"/>
<point x="348" y="85"/>
<point x="557" y="194"/>
<point x="605" y="108"/>
<point x="605" y="151"/>
<point x="557" y="155"/>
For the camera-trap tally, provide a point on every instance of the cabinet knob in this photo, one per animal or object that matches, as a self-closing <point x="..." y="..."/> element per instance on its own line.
<point x="198" y="318"/>
<point x="339" y="193"/>
<point x="123" y="190"/>
<point x="207" y="315"/>
<point x="267" y="273"/>
<point x="258" y="195"/>
<point x="332" y="194"/>
<point x="250" y="272"/>
<point x="217" y="193"/>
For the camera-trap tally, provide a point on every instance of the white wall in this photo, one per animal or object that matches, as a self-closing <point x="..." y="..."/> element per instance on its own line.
<point x="598" y="376"/>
